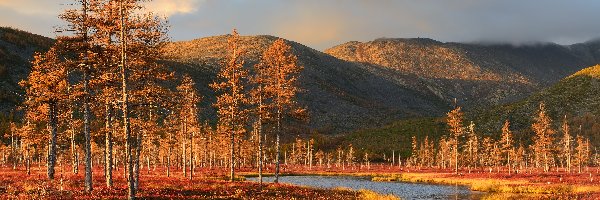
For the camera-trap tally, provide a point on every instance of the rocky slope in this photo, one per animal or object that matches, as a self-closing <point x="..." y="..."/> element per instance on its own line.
<point x="474" y="74"/>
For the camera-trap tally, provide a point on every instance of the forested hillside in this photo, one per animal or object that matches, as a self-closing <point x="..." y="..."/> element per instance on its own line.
<point x="341" y="96"/>
<point x="16" y="52"/>
<point x="362" y="85"/>
<point x="477" y="75"/>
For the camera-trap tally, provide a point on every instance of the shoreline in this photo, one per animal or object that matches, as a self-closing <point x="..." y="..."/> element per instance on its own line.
<point x="536" y="185"/>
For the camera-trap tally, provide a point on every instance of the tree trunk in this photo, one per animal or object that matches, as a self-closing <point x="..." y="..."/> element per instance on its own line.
<point x="191" y="155"/>
<point x="277" y="147"/>
<point x="87" y="136"/>
<point x="508" y="162"/>
<point x="260" y="153"/>
<point x="108" y="162"/>
<point x="184" y="160"/>
<point x="232" y="158"/>
<point x="169" y="157"/>
<point x="456" y="156"/>
<point x="125" y="109"/>
<point x="138" y="151"/>
<point x="28" y="166"/>
<point x="72" y="127"/>
<point x="52" y="142"/>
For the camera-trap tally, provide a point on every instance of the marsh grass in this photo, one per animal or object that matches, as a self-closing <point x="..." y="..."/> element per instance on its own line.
<point x="371" y="195"/>
<point x="491" y="185"/>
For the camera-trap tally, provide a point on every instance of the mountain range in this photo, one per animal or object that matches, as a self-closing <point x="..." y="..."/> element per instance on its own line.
<point x="358" y="85"/>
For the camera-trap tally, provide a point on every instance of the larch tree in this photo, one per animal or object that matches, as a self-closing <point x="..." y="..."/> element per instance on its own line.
<point x="189" y="112"/>
<point x="472" y="146"/>
<point x="281" y="74"/>
<point x="443" y="152"/>
<point x="230" y="103"/>
<point x="78" y="20"/>
<point x="582" y="154"/>
<point x="105" y="20"/>
<point x="543" y="139"/>
<point x="260" y="111"/>
<point x="45" y="89"/>
<point x="566" y="146"/>
<point x="140" y="37"/>
<point x="507" y="143"/>
<point x="455" y="121"/>
<point x="488" y="149"/>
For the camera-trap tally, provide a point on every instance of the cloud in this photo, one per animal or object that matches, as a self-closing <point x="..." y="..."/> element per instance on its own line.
<point x="172" y="7"/>
<point x="324" y="23"/>
<point x="33" y="7"/>
<point x="311" y="24"/>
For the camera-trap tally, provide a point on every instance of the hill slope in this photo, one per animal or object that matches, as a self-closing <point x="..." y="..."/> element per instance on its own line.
<point x="340" y="95"/>
<point x="366" y="84"/>
<point x="576" y="96"/>
<point x="475" y="74"/>
<point x="16" y="51"/>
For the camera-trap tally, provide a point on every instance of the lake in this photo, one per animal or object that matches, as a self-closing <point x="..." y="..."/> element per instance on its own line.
<point x="400" y="189"/>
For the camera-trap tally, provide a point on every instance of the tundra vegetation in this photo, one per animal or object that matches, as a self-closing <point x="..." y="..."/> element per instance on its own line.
<point x="101" y="100"/>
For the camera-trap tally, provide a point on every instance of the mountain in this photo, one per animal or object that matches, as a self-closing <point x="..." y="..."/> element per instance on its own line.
<point x="357" y="85"/>
<point x="16" y="52"/>
<point x="477" y="75"/>
<point x="341" y="96"/>
<point x="577" y="97"/>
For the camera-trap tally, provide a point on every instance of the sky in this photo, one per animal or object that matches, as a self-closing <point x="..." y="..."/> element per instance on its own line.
<point x="322" y="24"/>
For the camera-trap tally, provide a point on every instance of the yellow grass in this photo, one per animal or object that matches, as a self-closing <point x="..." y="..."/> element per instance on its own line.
<point x="517" y="186"/>
<point x="492" y="185"/>
<point x="371" y="195"/>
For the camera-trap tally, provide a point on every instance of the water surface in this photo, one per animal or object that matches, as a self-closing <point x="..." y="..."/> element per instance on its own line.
<point x="400" y="189"/>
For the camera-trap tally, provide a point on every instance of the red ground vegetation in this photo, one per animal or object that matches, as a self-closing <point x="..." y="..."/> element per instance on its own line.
<point x="207" y="184"/>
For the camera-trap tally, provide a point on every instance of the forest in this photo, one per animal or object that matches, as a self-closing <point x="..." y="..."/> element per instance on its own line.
<point x="104" y="113"/>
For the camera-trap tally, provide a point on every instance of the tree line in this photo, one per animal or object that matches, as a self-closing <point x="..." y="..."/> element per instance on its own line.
<point x="101" y="96"/>
<point x="465" y="150"/>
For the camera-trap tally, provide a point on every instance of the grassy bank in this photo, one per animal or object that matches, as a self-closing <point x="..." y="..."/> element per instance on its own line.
<point x="518" y="184"/>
